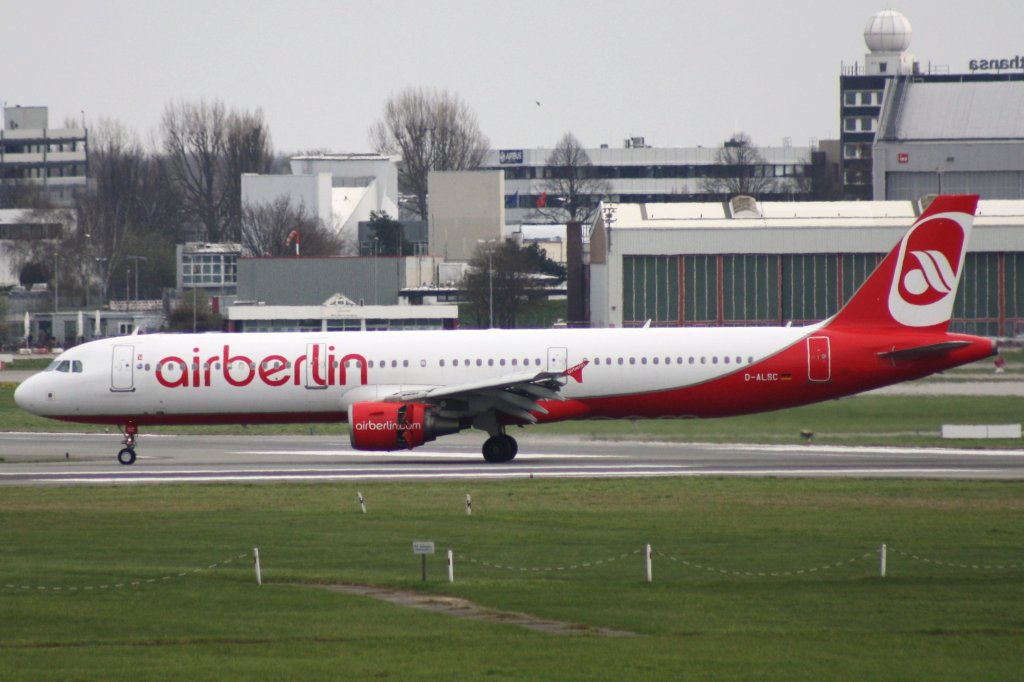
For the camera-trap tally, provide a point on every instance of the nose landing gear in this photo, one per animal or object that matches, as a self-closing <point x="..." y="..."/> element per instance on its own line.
<point x="127" y="454"/>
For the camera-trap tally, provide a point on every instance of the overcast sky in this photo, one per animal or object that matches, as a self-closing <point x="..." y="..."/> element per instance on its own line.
<point x="679" y="73"/>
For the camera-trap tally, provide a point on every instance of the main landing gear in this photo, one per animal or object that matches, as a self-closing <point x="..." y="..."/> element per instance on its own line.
<point x="500" y="448"/>
<point x="127" y="454"/>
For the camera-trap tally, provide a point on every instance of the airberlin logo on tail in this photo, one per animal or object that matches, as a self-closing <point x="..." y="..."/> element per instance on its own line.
<point x="927" y="271"/>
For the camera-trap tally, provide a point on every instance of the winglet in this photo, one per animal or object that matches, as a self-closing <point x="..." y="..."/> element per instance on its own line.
<point x="576" y="371"/>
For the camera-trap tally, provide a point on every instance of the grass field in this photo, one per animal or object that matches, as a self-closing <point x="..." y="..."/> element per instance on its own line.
<point x="924" y="621"/>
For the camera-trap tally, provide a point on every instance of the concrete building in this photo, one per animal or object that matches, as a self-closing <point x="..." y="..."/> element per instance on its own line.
<point x="863" y="89"/>
<point x="337" y="294"/>
<point x="57" y="159"/>
<point x="340" y="189"/>
<point x="773" y="263"/>
<point x="339" y="314"/>
<point x="466" y="207"/>
<point x="19" y="225"/>
<point x="637" y="172"/>
<point x="936" y="137"/>
<point x="212" y="268"/>
<point x="309" y="281"/>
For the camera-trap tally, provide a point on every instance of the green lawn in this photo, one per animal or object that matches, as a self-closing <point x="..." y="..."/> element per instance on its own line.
<point x="924" y="621"/>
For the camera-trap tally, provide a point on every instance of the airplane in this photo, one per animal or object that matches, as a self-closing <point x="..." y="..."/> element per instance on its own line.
<point x="399" y="390"/>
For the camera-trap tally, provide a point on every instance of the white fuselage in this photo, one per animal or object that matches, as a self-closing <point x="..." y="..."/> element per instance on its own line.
<point x="314" y="376"/>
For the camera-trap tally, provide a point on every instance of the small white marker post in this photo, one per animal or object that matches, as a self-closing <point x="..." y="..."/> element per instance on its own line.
<point x="451" y="567"/>
<point x="469" y="505"/>
<point x="256" y="562"/>
<point x="648" y="568"/>
<point x="881" y="560"/>
<point x="362" y="502"/>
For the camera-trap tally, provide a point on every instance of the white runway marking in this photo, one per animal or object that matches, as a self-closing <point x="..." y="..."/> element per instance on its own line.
<point x="490" y="473"/>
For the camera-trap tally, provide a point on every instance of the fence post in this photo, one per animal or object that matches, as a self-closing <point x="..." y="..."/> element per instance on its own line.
<point x="362" y="502"/>
<point x="469" y="505"/>
<point x="451" y="567"/>
<point x="648" y="572"/>
<point x="882" y="560"/>
<point x="256" y="561"/>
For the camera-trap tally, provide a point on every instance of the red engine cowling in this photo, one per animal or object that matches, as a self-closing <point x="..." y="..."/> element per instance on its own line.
<point x="395" y="426"/>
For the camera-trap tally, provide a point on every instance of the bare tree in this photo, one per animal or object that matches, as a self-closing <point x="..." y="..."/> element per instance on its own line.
<point x="267" y="231"/>
<point x="430" y="130"/>
<point x="502" y="277"/>
<point x="131" y="208"/>
<point x="574" y="190"/>
<point x="248" y="150"/>
<point x="195" y="141"/>
<point x="739" y="169"/>
<point x="208" y="148"/>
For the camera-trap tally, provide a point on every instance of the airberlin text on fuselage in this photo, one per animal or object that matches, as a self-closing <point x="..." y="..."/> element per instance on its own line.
<point x="273" y="370"/>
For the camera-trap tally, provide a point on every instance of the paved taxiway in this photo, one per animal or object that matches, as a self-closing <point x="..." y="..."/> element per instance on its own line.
<point x="78" y="459"/>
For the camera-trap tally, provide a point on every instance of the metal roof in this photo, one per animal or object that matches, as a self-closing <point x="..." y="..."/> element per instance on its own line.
<point x="798" y="214"/>
<point x="955" y="111"/>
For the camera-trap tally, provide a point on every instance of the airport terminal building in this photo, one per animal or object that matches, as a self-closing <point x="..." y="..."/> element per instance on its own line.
<point x="952" y="122"/>
<point x="774" y="263"/>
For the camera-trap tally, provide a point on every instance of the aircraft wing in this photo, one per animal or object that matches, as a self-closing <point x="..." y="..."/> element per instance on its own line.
<point x="516" y="395"/>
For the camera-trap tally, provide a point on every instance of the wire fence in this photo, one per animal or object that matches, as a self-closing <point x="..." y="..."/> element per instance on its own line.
<point x="881" y="553"/>
<point x="124" y="583"/>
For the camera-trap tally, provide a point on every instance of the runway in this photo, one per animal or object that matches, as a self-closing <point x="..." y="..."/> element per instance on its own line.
<point x="89" y="459"/>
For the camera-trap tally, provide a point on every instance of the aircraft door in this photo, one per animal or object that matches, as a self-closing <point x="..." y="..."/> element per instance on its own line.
<point x="121" y="373"/>
<point x="557" y="359"/>
<point x="316" y="365"/>
<point x="819" y="359"/>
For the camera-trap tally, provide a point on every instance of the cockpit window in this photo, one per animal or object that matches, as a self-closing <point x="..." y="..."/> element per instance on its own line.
<point x="64" y="366"/>
<point x="52" y="366"/>
<point x="76" y="366"/>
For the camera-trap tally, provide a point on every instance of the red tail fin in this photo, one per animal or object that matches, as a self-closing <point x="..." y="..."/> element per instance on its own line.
<point x="915" y="285"/>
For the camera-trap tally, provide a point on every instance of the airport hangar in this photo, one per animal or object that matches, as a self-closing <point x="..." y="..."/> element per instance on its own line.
<point x="745" y="262"/>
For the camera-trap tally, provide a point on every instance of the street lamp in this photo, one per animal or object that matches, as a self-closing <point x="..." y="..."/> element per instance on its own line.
<point x="136" y="259"/>
<point x="103" y="279"/>
<point x="490" y="281"/>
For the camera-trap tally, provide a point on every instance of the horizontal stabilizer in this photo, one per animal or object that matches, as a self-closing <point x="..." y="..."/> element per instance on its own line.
<point x="919" y="352"/>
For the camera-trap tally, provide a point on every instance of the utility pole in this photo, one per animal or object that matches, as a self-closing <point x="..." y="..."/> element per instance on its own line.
<point x="136" y="259"/>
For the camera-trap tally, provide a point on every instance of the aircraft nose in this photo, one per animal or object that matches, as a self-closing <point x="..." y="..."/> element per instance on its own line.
<point x="25" y="396"/>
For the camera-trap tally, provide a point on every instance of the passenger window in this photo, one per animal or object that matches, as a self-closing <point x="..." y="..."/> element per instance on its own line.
<point x="441" y="363"/>
<point x="502" y="362"/>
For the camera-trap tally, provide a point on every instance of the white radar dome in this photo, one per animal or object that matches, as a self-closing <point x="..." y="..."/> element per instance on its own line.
<point x="888" y="31"/>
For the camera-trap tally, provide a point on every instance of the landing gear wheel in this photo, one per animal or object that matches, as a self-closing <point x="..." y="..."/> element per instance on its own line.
<point x="515" y="446"/>
<point x="126" y="456"/>
<point x="498" y="449"/>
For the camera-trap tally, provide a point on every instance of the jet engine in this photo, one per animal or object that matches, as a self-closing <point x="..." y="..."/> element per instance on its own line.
<point x="395" y="426"/>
